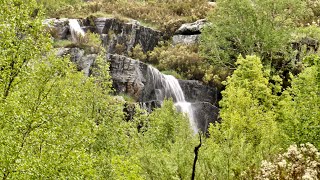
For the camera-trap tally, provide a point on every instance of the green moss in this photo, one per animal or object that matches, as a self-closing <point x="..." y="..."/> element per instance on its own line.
<point x="173" y="73"/>
<point x="62" y="43"/>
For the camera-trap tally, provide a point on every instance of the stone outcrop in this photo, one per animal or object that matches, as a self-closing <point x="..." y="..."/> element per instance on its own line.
<point x="195" y="91"/>
<point x="83" y="61"/>
<point x="120" y="36"/>
<point x="117" y="36"/>
<point x="191" y="28"/>
<point x="185" y="39"/>
<point x="59" y="28"/>
<point x="139" y="81"/>
<point x="189" y="33"/>
<point x="145" y="84"/>
<point x="127" y="75"/>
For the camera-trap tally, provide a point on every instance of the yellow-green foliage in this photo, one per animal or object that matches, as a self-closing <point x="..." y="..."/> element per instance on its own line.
<point x="248" y="131"/>
<point x="137" y="53"/>
<point x="183" y="59"/>
<point x="91" y="43"/>
<point x="299" y="109"/>
<point x="314" y="5"/>
<point x="55" y="8"/>
<point x="62" y="43"/>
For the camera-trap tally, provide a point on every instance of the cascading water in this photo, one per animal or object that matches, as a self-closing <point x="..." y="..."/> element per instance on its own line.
<point x="168" y="86"/>
<point x="75" y="30"/>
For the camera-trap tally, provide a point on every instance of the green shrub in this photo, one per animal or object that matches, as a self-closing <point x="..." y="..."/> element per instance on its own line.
<point x="246" y="27"/>
<point x="62" y="43"/>
<point x="183" y="59"/>
<point x="137" y="53"/>
<point x="172" y="73"/>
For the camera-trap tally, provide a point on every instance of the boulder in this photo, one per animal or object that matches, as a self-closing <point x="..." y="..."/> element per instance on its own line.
<point x="191" y="28"/>
<point x="185" y="39"/>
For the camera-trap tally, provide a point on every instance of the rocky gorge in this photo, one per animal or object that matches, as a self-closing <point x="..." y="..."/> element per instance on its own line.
<point x="145" y="84"/>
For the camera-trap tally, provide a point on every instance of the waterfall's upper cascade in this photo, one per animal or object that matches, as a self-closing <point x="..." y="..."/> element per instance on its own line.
<point x="168" y="86"/>
<point x="75" y="30"/>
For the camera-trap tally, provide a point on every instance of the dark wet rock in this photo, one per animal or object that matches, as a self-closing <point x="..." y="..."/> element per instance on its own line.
<point x="205" y="113"/>
<point x="129" y="110"/>
<point x="195" y="91"/>
<point x="150" y="105"/>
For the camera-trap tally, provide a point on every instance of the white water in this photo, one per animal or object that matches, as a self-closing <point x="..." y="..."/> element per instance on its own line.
<point x="170" y="88"/>
<point x="75" y="30"/>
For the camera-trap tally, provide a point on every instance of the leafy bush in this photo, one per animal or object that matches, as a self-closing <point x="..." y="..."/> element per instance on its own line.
<point x="137" y="53"/>
<point x="183" y="59"/>
<point x="248" y="131"/>
<point x="91" y="43"/>
<point x="299" y="107"/>
<point x="246" y="27"/>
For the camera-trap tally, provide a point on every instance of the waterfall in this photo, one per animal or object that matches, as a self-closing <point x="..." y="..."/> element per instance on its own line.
<point x="167" y="86"/>
<point x="75" y="30"/>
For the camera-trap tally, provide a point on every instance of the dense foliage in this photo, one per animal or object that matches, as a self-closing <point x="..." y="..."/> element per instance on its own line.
<point x="56" y="123"/>
<point x="260" y="27"/>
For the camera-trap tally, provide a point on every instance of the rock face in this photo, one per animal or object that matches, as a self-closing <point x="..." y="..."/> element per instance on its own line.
<point x="196" y="92"/>
<point x="127" y="75"/>
<point x="121" y="37"/>
<point x="118" y="37"/>
<point x="83" y="61"/>
<point x="206" y="113"/>
<point x="59" y="28"/>
<point x="142" y="83"/>
<point x="185" y="39"/>
<point x="189" y="33"/>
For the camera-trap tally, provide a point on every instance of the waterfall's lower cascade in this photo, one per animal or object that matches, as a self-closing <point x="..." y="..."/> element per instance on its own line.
<point x="168" y="86"/>
<point x="75" y="30"/>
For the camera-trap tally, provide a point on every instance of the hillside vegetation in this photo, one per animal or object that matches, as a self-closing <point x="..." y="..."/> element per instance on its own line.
<point x="56" y="123"/>
<point x="163" y="15"/>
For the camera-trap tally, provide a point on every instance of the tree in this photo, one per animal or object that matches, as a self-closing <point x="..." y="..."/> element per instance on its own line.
<point x="248" y="131"/>
<point x="247" y="27"/>
<point x="165" y="144"/>
<point x="299" y="110"/>
<point x="48" y="111"/>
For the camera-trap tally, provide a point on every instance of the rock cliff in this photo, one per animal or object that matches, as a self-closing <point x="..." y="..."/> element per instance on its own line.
<point x="142" y="82"/>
